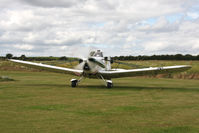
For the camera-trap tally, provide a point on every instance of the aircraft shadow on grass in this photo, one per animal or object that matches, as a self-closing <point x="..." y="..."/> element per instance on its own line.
<point x="116" y="87"/>
<point x="137" y="88"/>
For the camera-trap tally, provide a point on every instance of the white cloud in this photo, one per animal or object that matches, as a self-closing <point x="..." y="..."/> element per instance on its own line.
<point x="111" y="25"/>
<point x="155" y="46"/>
<point x="193" y="15"/>
<point x="24" y="46"/>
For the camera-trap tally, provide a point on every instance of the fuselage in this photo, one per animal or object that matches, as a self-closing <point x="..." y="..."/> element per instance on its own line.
<point x="93" y="64"/>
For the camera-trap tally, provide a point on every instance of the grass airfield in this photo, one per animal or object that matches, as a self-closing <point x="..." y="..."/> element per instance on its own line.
<point x="45" y="102"/>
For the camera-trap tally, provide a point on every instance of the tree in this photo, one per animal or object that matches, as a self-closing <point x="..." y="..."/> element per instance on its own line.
<point x="23" y="57"/>
<point x="178" y="57"/>
<point x="197" y="57"/>
<point x="9" y="56"/>
<point x="63" y="58"/>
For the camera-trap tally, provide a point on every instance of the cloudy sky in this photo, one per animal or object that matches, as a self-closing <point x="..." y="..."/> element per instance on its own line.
<point x="118" y="27"/>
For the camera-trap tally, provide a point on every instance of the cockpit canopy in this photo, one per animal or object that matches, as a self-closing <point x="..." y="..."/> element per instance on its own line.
<point x="97" y="53"/>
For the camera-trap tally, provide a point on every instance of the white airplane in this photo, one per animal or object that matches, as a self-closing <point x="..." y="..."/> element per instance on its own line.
<point x="97" y="66"/>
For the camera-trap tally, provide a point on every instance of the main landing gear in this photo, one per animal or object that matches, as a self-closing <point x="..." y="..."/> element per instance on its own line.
<point x="74" y="82"/>
<point x="109" y="83"/>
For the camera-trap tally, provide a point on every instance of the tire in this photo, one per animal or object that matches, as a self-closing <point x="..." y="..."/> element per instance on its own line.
<point x="109" y="85"/>
<point x="74" y="83"/>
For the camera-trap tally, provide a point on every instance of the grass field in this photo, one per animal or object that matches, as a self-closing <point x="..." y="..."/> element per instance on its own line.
<point x="45" y="102"/>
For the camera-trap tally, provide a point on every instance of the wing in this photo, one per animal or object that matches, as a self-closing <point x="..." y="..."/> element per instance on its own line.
<point x="144" y="71"/>
<point x="49" y="67"/>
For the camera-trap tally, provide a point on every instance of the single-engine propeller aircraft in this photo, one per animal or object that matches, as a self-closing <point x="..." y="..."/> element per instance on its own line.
<point x="97" y="66"/>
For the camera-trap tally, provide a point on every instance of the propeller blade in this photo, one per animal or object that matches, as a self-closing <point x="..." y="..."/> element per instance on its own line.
<point x="80" y="66"/>
<point x="96" y="62"/>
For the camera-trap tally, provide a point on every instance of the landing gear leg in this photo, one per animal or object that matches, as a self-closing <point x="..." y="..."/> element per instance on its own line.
<point x="74" y="82"/>
<point x="109" y="83"/>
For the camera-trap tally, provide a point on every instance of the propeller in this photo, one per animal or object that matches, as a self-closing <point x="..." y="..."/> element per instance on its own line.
<point x="81" y="64"/>
<point x="84" y="62"/>
<point x="96" y="62"/>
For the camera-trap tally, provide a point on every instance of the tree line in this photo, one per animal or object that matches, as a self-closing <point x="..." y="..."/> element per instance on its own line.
<point x="158" y="57"/>
<point x="140" y="57"/>
<point x="23" y="57"/>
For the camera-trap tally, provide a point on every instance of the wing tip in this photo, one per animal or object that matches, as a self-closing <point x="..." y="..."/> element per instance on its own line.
<point x="188" y="66"/>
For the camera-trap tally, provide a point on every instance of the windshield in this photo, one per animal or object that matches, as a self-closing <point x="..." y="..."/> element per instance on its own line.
<point x="96" y="54"/>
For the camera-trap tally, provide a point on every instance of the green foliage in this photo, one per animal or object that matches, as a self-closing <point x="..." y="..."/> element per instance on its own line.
<point x="23" y="57"/>
<point x="2" y="58"/>
<point x="9" y="56"/>
<point x="63" y="58"/>
<point x="158" y="57"/>
<point x="140" y="57"/>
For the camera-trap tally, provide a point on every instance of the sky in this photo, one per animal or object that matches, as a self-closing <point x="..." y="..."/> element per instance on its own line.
<point x="117" y="27"/>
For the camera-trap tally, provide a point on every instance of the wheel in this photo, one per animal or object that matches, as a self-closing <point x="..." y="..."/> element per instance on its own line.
<point x="74" y="82"/>
<point x="109" y="85"/>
